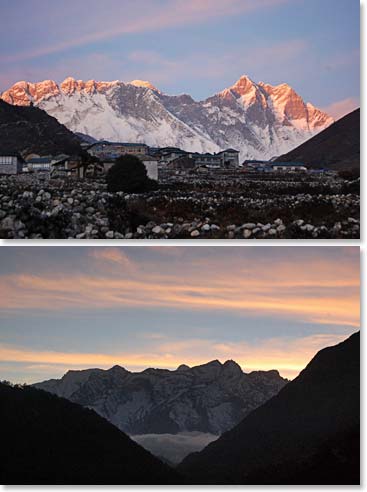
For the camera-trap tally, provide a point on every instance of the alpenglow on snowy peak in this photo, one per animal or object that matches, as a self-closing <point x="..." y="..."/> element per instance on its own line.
<point x="259" y="120"/>
<point x="212" y="397"/>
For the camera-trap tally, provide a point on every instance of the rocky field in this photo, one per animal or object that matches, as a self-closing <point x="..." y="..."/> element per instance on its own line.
<point x="226" y="207"/>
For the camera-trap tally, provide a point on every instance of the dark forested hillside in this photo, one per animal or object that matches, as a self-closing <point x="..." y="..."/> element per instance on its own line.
<point x="27" y="129"/>
<point x="49" y="440"/>
<point x="337" y="147"/>
<point x="307" y="434"/>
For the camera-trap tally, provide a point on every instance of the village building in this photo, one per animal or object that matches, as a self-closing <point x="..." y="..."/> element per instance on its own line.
<point x="229" y="158"/>
<point x="11" y="163"/>
<point x="65" y="165"/>
<point x="151" y="165"/>
<point x="39" y="163"/>
<point x="113" y="150"/>
<point x="213" y="161"/>
<point x="255" y="164"/>
<point x="289" y="166"/>
<point x="168" y="154"/>
<point x="182" y="163"/>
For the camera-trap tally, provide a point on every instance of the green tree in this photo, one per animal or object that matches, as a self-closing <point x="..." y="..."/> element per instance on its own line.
<point x="128" y="174"/>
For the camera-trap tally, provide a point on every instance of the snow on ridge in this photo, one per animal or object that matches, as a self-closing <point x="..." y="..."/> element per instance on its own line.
<point x="259" y="120"/>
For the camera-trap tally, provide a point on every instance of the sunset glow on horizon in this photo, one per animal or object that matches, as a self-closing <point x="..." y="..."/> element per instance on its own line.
<point x="265" y="308"/>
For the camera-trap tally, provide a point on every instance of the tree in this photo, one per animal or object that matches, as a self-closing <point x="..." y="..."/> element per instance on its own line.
<point x="128" y="174"/>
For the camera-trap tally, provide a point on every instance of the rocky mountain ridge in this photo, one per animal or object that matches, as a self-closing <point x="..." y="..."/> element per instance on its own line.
<point x="212" y="397"/>
<point x="259" y="120"/>
<point x="27" y="130"/>
<point x="309" y="433"/>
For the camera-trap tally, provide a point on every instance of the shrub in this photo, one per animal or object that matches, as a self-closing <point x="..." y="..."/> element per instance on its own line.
<point x="128" y="174"/>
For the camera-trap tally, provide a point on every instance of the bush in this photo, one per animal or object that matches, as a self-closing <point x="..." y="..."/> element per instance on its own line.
<point x="128" y="174"/>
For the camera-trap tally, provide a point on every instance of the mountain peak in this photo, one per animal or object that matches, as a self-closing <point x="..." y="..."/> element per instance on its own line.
<point x="213" y="363"/>
<point x="144" y="83"/>
<point x="117" y="370"/>
<point x="231" y="369"/>
<point x="278" y="118"/>
<point x="231" y="364"/>
<point x="243" y="85"/>
<point x="164" y="401"/>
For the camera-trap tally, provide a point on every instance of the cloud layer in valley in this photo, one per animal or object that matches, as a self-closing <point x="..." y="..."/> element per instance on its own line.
<point x="174" y="447"/>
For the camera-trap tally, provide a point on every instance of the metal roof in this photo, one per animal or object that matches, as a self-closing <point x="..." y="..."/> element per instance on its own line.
<point x="39" y="160"/>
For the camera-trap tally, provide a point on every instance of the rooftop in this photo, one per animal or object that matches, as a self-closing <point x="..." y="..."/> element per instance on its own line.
<point x="125" y="144"/>
<point x="39" y="160"/>
<point x="290" y="164"/>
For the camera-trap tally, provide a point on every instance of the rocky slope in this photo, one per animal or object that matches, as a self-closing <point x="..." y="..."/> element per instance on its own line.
<point x="209" y="398"/>
<point x="259" y="120"/>
<point x="50" y="440"/>
<point x="282" y="207"/>
<point x="30" y="130"/>
<point x="308" y="434"/>
<point x="337" y="147"/>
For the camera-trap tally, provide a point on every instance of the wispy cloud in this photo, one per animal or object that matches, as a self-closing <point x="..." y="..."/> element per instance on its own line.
<point x="264" y="307"/>
<point x="316" y="290"/>
<point x="339" y="109"/>
<point x="288" y="355"/>
<point x="151" y="16"/>
<point x="114" y="256"/>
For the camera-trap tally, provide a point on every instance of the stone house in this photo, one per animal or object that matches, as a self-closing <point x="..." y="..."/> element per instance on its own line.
<point x="11" y="163"/>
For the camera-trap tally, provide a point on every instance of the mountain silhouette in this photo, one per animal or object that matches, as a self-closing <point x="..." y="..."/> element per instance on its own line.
<point x="50" y="440"/>
<point x="337" y="147"/>
<point x="309" y="433"/>
<point x="29" y="130"/>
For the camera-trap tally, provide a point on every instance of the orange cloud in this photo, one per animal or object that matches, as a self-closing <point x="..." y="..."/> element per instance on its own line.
<point x="24" y="292"/>
<point x="114" y="255"/>
<point x="341" y="108"/>
<point x="324" y="291"/>
<point x="289" y="356"/>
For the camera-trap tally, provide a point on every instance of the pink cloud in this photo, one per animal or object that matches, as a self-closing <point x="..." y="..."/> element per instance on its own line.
<point x="339" y="109"/>
<point x="150" y="18"/>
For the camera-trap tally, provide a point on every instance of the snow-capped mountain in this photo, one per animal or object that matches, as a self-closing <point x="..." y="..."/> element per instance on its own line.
<point x="259" y="120"/>
<point x="209" y="398"/>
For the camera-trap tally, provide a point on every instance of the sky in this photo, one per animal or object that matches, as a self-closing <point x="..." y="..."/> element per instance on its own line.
<point x="266" y="308"/>
<point x="198" y="47"/>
